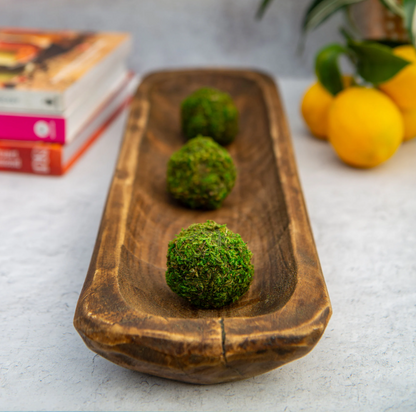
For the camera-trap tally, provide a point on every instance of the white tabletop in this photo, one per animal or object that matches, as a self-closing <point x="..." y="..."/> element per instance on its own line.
<point x="364" y="222"/>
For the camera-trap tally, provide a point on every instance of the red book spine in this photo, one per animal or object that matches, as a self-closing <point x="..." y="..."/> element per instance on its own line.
<point x="43" y="159"/>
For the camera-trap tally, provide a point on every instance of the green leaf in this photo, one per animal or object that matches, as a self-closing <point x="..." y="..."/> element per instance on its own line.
<point x="320" y="10"/>
<point x="389" y="42"/>
<point x="262" y="8"/>
<point x="394" y="6"/>
<point x="327" y="68"/>
<point x="351" y="20"/>
<point x="409" y="7"/>
<point x="346" y="34"/>
<point x="376" y="63"/>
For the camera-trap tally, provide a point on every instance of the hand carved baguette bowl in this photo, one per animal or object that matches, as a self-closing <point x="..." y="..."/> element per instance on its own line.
<point x="127" y="313"/>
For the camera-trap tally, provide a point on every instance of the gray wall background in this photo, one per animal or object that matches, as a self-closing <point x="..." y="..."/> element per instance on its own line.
<point x="183" y="33"/>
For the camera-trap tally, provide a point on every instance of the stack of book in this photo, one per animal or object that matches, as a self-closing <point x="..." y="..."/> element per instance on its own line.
<point x="58" y="91"/>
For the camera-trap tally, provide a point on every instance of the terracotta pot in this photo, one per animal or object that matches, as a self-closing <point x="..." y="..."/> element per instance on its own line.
<point x="377" y="22"/>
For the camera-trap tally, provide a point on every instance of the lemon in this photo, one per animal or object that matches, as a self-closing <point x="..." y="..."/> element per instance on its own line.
<point x="409" y="118"/>
<point x="314" y="108"/>
<point x="365" y="127"/>
<point x="402" y="87"/>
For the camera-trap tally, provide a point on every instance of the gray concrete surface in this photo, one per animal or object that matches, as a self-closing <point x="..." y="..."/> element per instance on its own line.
<point x="177" y="33"/>
<point x="364" y="223"/>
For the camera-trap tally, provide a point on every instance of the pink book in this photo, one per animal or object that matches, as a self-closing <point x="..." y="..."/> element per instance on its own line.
<point x="32" y="128"/>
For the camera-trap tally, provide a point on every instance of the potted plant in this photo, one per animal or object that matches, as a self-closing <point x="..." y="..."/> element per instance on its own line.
<point x="375" y="19"/>
<point x="369" y="113"/>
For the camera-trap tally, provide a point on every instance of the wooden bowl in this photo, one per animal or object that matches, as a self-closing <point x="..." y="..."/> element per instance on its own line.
<point x="127" y="313"/>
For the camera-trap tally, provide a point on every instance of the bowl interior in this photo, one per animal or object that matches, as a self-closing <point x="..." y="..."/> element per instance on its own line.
<point x="256" y="208"/>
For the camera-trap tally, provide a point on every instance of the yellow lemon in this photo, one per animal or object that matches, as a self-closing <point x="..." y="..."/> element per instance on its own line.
<point x="364" y="127"/>
<point x="314" y="108"/>
<point x="402" y="87"/>
<point x="409" y="118"/>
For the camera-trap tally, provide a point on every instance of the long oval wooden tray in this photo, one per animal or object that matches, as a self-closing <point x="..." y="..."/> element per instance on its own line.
<point x="126" y="312"/>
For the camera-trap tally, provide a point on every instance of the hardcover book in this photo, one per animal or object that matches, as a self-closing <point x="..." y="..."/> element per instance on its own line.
<point x="49" y="70"/>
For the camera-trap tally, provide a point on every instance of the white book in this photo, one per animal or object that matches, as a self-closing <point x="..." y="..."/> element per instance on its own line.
<point x="48" y="72"/>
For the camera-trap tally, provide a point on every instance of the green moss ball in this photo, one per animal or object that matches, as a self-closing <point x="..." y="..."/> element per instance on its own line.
<point x="210" y="112"/>
<point x="201" y="174"/>
<point x="209" y="265"/>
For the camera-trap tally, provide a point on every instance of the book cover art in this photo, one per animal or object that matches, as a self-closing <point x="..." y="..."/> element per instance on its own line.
<point x="51" y="60"/>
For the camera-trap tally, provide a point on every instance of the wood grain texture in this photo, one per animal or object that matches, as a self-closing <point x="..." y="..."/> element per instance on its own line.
<point x="128" y="314"/>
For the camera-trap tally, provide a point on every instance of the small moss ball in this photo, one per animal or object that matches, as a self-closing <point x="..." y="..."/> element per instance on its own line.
<point x="209" y="265"/>
<point x="210" y="112"/>
<point x="201" y="174"/>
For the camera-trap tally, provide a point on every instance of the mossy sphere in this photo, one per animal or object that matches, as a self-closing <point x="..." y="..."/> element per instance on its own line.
<point x="209" y="265"/>
<point x="210" y="112"/>
<point x="201" y="174"/>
